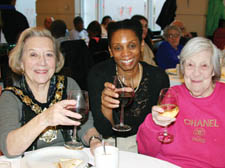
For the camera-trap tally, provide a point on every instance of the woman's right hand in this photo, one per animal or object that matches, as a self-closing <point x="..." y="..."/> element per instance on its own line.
<point x="58" y="114"/>
<point x="161" y="120"/>
<point x="109" y="98"/>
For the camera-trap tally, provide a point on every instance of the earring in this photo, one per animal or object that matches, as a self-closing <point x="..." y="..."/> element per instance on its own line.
<point x="22" y="72"/>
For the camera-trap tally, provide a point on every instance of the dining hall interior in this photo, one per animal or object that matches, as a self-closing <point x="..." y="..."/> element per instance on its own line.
<point x="121" y="54"/>
<point x="192" y="15"/>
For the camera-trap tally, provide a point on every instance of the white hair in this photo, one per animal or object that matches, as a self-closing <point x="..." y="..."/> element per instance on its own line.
<point x="198" y="44"/>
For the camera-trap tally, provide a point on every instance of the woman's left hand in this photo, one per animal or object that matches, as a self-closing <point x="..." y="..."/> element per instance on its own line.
<point x="58" y="114"/>
<point x="161" y="120"/>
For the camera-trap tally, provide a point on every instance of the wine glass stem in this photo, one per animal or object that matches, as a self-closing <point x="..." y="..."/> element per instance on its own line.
<point x="165" y="132"/>
<point x="74" y="137"/>
<point x="122" y="115"/>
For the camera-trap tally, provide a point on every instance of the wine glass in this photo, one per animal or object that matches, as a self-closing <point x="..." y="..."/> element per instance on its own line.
<point x="167" y="101"/>
<point x="124" y="86"/>
<point x="81" y="107"/>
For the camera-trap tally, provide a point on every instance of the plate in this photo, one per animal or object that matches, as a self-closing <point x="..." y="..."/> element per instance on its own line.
<point x="171" y="71"/>
<point x="223" y="73"/>
<point x="49" y="156"/>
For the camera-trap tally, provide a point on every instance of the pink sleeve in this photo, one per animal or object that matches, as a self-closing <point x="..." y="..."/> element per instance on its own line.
<point x="147" y="137"/>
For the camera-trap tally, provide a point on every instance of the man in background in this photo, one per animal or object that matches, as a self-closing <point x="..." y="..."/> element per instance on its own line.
<point x="13" y="22"/>
<point x="47" y="22"/>
<point x="104" y="25"/>
<point x="79" y="33"/>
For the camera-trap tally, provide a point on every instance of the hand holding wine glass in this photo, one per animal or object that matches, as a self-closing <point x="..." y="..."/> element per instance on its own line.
<point x="82" y="107"/>
<point x="124" y="87"/>
<point x="166" y="115"/>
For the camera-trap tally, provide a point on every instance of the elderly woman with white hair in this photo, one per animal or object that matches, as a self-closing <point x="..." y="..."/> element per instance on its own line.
<point x="199" y="139"/>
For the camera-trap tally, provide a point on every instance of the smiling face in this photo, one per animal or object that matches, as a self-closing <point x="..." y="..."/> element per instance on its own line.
<point x="38" y="61"/>
<point x="126" y="49"/>
<point x="198" y="73"/>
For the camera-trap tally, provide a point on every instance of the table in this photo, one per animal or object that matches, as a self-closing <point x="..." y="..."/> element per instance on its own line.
<point x="126" y="160"/>
<point x="134" y="160"/>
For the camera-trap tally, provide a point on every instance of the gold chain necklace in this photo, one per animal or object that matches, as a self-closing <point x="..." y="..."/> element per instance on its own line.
<point x="50" y="133"/>
<point x="139" y="77"/>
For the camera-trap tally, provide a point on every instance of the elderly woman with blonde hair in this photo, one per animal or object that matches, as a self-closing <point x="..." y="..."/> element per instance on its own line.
<point x="198" y="129"/>
<point x="33" y="111"/>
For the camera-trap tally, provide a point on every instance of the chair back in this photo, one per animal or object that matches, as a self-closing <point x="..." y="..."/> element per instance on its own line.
<point x="101" y="56"/>
<point x="99" y="50"/>
<point x="78" y="61"/>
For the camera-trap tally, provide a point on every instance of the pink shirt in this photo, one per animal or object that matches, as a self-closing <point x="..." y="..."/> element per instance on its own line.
<point x="199" y="132"/>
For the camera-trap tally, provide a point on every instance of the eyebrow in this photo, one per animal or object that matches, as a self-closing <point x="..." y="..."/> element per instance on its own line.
<point x="33" y="49"/>
<point x="127" y="42"/>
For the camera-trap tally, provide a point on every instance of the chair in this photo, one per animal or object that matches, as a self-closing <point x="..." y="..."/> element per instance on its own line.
<point x="99" y="50"/>
<point x="101" y="45"/>
<point x="78" y="61"/>
<point x="100" y="56"/>
<point x="7" y="76"/>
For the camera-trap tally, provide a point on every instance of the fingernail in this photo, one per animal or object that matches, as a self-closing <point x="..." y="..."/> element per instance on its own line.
<point x="77" y="123"/>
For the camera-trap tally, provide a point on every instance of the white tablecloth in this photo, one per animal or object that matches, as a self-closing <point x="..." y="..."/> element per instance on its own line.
<point x="126" y="160"/>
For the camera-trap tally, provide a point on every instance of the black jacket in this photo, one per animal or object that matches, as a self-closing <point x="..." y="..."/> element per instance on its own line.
<point x="14" y="23"/>
<point x="167" y="13"/>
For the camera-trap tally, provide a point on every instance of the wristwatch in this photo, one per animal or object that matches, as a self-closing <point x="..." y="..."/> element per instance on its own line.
<point x="94" y="137"/>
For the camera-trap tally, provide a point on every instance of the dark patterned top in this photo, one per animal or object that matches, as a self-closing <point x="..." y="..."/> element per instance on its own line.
<point x="153" y="80"/>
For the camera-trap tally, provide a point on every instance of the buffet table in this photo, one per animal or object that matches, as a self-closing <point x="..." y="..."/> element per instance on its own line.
<point x="126" y="159"/>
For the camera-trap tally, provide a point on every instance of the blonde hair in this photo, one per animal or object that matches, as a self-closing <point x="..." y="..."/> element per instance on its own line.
<point x="198" y="44"/>
<point x="17" y="52"/>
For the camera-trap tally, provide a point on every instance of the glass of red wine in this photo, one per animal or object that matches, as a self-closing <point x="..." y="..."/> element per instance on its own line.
<point x="124" y="87"/>
<point x="81" y="107"/>
<point x="168" y="101"/>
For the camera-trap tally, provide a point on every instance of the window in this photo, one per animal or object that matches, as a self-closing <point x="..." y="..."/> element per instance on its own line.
<point x="27" y="7"/>
<point x="121" y="9"/>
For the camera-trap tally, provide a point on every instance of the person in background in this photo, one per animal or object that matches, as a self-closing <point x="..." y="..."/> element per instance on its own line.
<point x="125" y="46"/>
<point x="104" y="25"/>
<point x="13" y="22"/>
<point x="94" y="31"/>
<point x="58" y="30"/>
<point x="34" y="110"/>
<point x="147" y="55"/>
<point x="97" y="45"/>
<point x="198" y="129"/>
<point x="219" y="35"/>
<point x="169" y="49"/>
<point x="185" y="35"/>
<point x="47" y="22"/>
<point x="79" y="33"/>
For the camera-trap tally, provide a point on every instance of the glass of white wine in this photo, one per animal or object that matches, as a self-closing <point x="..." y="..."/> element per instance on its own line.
<point x="167" y="101"/>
